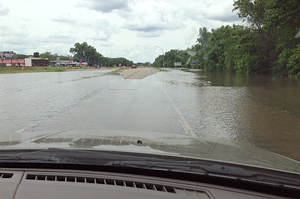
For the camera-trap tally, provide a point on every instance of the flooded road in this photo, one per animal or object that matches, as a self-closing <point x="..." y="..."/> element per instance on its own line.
<point x="258" y="110"/>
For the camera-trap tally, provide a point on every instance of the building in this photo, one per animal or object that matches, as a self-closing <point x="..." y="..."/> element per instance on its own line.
<point x="12" y="63"/>
<point x="6" y="55"/>
<point x="35" y="61"/>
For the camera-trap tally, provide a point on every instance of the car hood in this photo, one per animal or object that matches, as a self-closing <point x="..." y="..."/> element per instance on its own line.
<point x="153" y="143"/>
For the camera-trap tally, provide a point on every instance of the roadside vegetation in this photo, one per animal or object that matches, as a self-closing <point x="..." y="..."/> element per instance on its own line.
<point x="81" y="52"/>
<point x="115" y="72"/>
<point x="7" y="70"/>
<point x="269" y="43"/>
<point x="160" y="69"/>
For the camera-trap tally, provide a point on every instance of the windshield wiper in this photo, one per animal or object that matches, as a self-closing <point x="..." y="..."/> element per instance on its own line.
<point x="165" y="163"/>
<point x="216" y="169"/>
<point x="41" y="156"/>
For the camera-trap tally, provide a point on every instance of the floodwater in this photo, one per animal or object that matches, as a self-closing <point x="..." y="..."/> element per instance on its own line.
<point x="262" y="111"/>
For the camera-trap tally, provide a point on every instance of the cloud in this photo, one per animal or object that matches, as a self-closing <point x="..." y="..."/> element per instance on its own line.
<point x="19" y="41"/>
<point x="18" y="38"/>
<point x="3" y="10"/>
<point x="60" y="38"/>
<point x="217" y="10"/>
<point x="103" y="29"/>
<point x="149" y="34"/>
<point x="222" y="12"/>
<point x="115" y="26"/>
<point x="105" y="6"/>
<point x="99" y="37"/>
<point x="107" y="44"/>
<point x="64" y="19"/>
<point x="151" y="18"/>
<point x="228" y="18"/>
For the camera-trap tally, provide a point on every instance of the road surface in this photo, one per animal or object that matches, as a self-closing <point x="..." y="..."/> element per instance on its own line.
<point x="33" y="105"/>
<point x="138" y="73"/>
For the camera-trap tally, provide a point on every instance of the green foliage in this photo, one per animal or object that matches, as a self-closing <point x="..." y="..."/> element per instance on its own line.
<point x="20" y="56"/>
<point x="36" y="54"/>
<point x="85" y="52"/>
<point x="170" y="58"/>
<point x="266" y="45"/>
<point x="253" y="11"/>
<point x="293" y="62"/>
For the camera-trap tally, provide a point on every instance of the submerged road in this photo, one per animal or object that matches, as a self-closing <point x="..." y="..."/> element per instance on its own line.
<point x="143" y="102"/>
<point x="138" y="73"/>
<point x="37" y="104"/>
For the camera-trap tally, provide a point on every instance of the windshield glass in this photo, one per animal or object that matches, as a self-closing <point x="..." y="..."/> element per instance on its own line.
<point x="165" y="75"/>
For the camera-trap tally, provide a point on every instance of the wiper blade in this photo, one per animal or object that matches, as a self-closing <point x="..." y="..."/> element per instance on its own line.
<point x="41" y="156"/>
<point x="165" y="163"/>
<point x="223" y="170"/>
<point x="54" y="155"/>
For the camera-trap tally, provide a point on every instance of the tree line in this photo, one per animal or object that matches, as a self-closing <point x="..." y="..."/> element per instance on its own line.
<point x="171" y="57"/>
<point x="82" y="52"/>
<point x="269" y="43"/>
<point x="85" y="52"/>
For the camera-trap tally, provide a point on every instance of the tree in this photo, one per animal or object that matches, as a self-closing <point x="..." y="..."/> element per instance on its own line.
<point x="171" y="57"/>
<point x="283" y="17"/>
<point x="36" y="54"/>
<point x="203" y="38"/>
<point x="85" y="52"/>
<point x="48" y="55"/>
<point x="252" y="10"/>
<point x="20" y="56"/>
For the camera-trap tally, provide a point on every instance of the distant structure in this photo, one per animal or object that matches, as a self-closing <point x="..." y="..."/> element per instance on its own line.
<point x="6" y="55"/>
<point x="195" y="62"/>
<point x="34" y="61"/>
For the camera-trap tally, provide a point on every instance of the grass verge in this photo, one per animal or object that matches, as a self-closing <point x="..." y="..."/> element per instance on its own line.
<point x="160" y="69"/>
<point x="8" y="70"/>
<point x="115" y="72"/>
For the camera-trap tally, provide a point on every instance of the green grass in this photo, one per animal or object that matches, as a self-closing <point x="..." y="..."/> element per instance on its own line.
<point x="115" y="72"/>
<point x="186" y="70"/>
<point x="160" y="69"/>
<point x="8" y="70"/>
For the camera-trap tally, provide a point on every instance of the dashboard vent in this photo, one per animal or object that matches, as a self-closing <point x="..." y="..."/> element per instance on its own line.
<point x="124" y="183"/>
<point x="6" y="175"/>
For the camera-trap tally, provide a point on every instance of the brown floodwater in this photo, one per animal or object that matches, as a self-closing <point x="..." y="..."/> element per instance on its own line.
<point x="267" y="109"/>
<point x="262" y="111"/>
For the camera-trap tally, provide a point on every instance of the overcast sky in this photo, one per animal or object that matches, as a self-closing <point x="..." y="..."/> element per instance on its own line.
<point x="116" y="28"/>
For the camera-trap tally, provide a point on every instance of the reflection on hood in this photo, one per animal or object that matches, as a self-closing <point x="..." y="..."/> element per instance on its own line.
<point x="155" y="143"/>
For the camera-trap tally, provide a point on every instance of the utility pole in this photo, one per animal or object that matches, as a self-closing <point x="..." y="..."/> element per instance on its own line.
<point x="163" y="55"/>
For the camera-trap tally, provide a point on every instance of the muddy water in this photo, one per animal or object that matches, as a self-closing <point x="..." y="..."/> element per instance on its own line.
<point x="261" y="111"/>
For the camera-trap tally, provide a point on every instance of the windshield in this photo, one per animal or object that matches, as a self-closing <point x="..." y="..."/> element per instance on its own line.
<point x="165" y="75"/>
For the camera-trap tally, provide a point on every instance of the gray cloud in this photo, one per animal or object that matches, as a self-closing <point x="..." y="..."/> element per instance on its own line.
<point x="218" y="10"/>
<point x="64" y="19"/>
<point x="152" y="19"/>
<point x="18" y="38"/>
<point x="140" y="27"/>
<point x="103" y="29"/>
<point x="19" y="42"/>
<point x="60" y="38"/>
<point x="3" y="10"/>
<point x="226" y="18"/>
<point x="100" y="37"/>
<point x="105" y="6"/>
<point x="107" y="44"/>
<point x="149" y="34"/>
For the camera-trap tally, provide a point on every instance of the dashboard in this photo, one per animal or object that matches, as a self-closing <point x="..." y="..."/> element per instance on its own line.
<point x="74" y="184"/>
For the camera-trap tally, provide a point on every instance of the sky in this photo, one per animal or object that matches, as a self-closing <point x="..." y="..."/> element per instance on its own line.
<point x="116" y="28"/>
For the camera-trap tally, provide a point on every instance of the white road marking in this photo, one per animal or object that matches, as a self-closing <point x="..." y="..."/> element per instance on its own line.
<point x="187" y="128"/>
